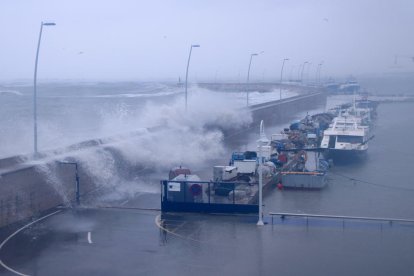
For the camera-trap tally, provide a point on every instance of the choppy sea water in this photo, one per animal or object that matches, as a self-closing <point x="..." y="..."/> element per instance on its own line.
<point x="72" y="112"/>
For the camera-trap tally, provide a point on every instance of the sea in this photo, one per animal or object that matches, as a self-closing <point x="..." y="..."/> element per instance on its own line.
<point x="71" y="112"/>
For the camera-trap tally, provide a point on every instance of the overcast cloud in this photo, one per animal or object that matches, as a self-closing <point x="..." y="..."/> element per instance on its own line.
<point x="141" y="40"/>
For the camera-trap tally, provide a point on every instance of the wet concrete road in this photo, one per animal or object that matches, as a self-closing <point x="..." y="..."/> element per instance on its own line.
<point x="136" y="242"/>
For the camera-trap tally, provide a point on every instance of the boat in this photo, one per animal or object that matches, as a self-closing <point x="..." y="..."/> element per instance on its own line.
<point x="368" y="104"/>
<point x="346" y="139"/>
<point x="349" y="87"/>
<point x="362" y="116"/>
<point x="302" y="164"/>
<point x="309" y="172"/>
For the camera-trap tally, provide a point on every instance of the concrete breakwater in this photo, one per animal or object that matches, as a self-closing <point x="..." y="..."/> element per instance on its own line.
<point x="260" y="87"/>
<point x="28" y="187"/>
<point x="280" y="111"/>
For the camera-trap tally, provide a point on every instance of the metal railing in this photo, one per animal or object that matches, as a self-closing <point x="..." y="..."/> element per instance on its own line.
<point x="284" y="216"/>
<point x="207" y="196"/>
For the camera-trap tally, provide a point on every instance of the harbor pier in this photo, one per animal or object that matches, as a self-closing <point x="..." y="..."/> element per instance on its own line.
<point x="31" y="186"/>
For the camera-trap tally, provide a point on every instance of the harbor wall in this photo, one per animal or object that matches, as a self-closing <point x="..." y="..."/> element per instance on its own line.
<point x="29" y="187"/>
<point x="283" y="110"/>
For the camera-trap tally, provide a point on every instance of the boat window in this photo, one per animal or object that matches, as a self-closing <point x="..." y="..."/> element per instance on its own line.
<point x="350" y="139"/>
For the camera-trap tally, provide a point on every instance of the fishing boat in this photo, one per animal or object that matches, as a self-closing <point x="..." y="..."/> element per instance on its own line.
<point x="309" y="172"/>
<point x="346" y="139"/>
<point x="349" y="87"/>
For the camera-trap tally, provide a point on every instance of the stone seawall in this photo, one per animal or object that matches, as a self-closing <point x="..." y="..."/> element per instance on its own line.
<point x="30" y="187"/>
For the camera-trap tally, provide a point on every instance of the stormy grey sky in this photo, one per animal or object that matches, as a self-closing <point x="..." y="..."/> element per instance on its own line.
<point x="141" y="40"/>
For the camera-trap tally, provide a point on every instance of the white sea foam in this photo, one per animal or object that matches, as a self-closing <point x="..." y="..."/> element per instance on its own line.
<point x="49" y="172"/>
<point x="137" y="95"/>
<point x="183" y="139"/>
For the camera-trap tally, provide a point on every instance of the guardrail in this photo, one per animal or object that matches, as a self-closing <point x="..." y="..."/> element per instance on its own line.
<point x="343" y="218"/>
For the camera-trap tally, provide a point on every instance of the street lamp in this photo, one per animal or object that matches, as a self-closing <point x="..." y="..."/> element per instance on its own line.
<point x="263" y="141"/>
<point x="35" y="83"/>
<point x="308" y="69"/>
<point x="186" y="73"/>
<point x="281" y="76"/>
<point x="77" y="192"/>
<point x="248" y="76"/>
<point x="319" y="71"/>
<point x="299" y="70"/>
<point x="301" y="74"/>
<point x="291" y="77"/>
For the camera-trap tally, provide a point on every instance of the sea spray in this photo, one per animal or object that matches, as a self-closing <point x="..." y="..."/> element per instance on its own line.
<point x="176" y="137"/>
<point x="49" y="171"/>
<point x="99" y="164"/>
<point x="133" y="162"/>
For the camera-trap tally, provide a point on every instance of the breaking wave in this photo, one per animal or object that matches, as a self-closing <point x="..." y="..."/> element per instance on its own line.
<point x="169" y="136"/>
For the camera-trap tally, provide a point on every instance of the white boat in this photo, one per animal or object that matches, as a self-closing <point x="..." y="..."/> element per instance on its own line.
<point x="361" y="115"/>
<point x="345" y="139"/>
<point x="350" y="86"/>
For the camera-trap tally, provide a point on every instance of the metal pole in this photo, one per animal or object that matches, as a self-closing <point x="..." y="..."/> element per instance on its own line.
<point x="316" y="73"/>
<point x="77" y="185"/>
<point x="291" y="72"/>
<point x="35" y="88"/>
<point x="209" y="192"/>
<point x="263" y="140"/>
<point x="248" y="78"/>
<point x="35" y="92"/>
<point x="307" y="71"/>
<point x="281" y="77"/>
<point x="247" y="81"/>
<point x="234" y="193"/>
<point x="319" y="73"/>
<point x="260" y="221"/>
<point x="186" y="74"/>
<point x="299" y="70"/>
<point x="301" y="75"/>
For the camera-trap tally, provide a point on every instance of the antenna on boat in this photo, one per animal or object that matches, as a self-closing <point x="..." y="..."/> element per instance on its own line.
<point x="354" y="102"/>
<point x="261" y="128"/>
<point x="263" y="139"/>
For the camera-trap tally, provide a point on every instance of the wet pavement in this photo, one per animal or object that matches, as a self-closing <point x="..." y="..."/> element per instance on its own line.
<point x="136" y="242"/>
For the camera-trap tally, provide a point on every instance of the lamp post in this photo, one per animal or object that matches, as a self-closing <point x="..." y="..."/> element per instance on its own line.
<point x="248" y="77"/>
<point x="291" y="77"/>
<point x="308" y="69"/>
<point x="319" y="71"/>
<point x="301" y="74"/>
<point x="186" y="72"/>
<point x="281" y="77"/>
<point x="263" y="141"/>
<point x="35" y="84"/>
<point x="77" y="192"/>
<point x="316" y="73"/>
